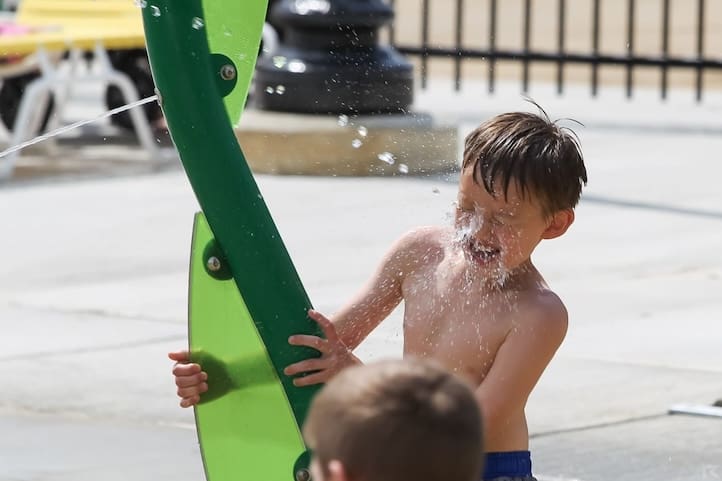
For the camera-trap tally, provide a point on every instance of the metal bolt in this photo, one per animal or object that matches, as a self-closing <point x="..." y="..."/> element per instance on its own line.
<point x="228" y="72"/>
<point x="214" y="264"/>
<point x="303" y="475"/>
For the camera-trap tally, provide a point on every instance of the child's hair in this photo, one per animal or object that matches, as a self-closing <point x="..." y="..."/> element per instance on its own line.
<point x="542" y="158"/>
<point x="397" y="420"/>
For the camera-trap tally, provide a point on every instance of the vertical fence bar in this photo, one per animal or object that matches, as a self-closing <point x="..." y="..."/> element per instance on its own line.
<point x="459" y="39"/>
<point x="700" y="47"/>
<point x="595" y="47"/>
<point x="527" y="42"/>
<point x="424" y="42"/>
<point x="665" y="46"/>
<point x="630" y="47"/>
<point x="392" y="25"/>
<point x="492" y="45"/>
<point x="560" y="46"/>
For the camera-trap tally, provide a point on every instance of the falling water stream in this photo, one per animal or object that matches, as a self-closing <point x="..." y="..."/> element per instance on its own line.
<point x="67" y="128"/>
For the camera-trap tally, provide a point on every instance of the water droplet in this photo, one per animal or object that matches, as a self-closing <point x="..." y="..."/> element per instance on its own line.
<point x="435" y="190"/>
<point x="296" y="66"/>
<point x="280" y="89"/>
<point x="343" y="120"/>
<point x="227" y="31"/>
<point x="269" y="90"/>
<point x="155" y="11"/>
<point x="141" y="3"/>
<point x="362" y="131"/>
<point x="403" y="168"/>
<point x="387" y="157"/>
<point x="197" y="23"/>
<point x="279" y="61"/>
<point x="356" y="143"/>
<point x="260" y="196"/>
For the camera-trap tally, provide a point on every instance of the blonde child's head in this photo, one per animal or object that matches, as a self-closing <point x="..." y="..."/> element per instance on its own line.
<point x="395" y="421"/>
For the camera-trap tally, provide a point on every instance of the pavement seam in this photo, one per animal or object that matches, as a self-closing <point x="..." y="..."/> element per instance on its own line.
<point x="590" y="427"/>
<point x="91" y="312"/>
<point x="86" y="350"/>
<point x="656" y="207"/>
<point x="650" y="365"/>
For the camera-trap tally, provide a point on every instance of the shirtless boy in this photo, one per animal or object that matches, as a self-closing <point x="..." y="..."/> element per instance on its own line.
<point x="473" y="300"/>
<point x="395" y="421"/>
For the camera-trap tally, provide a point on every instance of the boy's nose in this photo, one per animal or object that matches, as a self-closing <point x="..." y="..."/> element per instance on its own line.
<point x="484" y="229"/>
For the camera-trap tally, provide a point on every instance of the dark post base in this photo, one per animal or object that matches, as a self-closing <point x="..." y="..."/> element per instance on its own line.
<point x="330" y="62"/>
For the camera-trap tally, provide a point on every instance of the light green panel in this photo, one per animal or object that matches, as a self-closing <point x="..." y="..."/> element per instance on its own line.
<point x="233" y="29"/>
<point x="245" y="425"/>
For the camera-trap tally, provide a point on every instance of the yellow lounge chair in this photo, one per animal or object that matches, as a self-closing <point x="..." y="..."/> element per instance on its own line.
<point x="55" y="28"/>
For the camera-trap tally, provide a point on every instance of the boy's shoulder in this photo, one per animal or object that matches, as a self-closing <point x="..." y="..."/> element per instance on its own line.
<point x="423" y="244"/>
<point x="543" y="312"/>
<point x="426" y="237"/>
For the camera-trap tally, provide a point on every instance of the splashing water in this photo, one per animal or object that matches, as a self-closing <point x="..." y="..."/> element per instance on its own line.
<point x="467" y="229"/>
<point x="362" y="131"/>
<point x="499" y="275"/>
<point x="197" y="23"/>
<point x="155" y="11"/>
<point x="76" y="125"/>
<point x="269" y="90"/>
<point x="279" y="61"/>
<point x="280" y="89"/>
<point x="387" y="157"/>
<point x="141" y="3"/>
<point x="356" y="143"/>
<point x="403" y="168"/>
<point x="342" y="120"/>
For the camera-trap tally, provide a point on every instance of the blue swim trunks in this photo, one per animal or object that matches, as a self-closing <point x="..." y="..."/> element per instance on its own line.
<point x="508" y="466"/>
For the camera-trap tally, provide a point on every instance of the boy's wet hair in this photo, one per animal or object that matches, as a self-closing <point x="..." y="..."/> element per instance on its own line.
<point x="397" y="420"/>
<point x="542" y="158"/>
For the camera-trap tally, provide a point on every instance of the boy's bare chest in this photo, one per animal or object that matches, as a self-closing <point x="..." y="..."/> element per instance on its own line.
<point x="454" y="323"/>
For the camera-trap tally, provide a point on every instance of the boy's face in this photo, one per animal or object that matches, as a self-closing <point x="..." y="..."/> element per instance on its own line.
<point x="498" y="233"/>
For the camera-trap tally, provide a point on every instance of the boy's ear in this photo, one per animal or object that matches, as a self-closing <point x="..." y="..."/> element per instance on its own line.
<point x="337" y="471"/>
<point x="559" y="223"/>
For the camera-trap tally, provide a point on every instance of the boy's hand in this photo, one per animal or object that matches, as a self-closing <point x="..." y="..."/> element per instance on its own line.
<point x="334" y="354"/>
<point x="189" y="378"/>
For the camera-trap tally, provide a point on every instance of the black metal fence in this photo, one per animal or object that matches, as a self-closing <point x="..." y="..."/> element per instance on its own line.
<point x="698" y="61"/>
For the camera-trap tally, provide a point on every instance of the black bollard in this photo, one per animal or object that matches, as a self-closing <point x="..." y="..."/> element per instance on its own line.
<point x="329" y="60"/>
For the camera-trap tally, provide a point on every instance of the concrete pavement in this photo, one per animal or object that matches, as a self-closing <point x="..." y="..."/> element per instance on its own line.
<point x="93" y="293"/>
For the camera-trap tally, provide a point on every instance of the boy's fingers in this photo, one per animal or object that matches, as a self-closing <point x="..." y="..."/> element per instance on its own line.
<point x="186" y="369"/>
<point x="329" y="331"/>
<point x="306" y="365"/>
<point x="188" y="381"/>
<point x="311" y="379"/>
<point x="179" y="356"/>
<point x="313" y="342"/>
<point x="191" y="401"/>
<point x="327" y="327"/>
<point x="189" y="392"/>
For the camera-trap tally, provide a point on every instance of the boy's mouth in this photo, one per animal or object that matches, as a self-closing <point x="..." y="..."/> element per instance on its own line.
<point x="482" y="254"/>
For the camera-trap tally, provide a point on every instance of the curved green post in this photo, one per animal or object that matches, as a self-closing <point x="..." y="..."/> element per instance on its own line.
<point x="202" y="55"/>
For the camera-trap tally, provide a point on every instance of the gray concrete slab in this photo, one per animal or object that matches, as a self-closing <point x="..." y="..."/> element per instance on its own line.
<point x="674" y="448"/>
<point x="49" y="448"/>
<point x="93" y="294"/>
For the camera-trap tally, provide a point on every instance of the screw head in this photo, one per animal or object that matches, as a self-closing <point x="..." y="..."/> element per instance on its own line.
<point x="303" y="475"/>
<point x="228" y="72"/>
<point x="214" y="264"/>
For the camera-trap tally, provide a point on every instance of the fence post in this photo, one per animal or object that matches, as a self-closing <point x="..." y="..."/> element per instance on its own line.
<point x="330" y="61"/>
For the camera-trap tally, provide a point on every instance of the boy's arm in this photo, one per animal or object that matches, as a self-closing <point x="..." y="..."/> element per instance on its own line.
<point x="357" y="318"/>
<point x="521" y="360"/>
